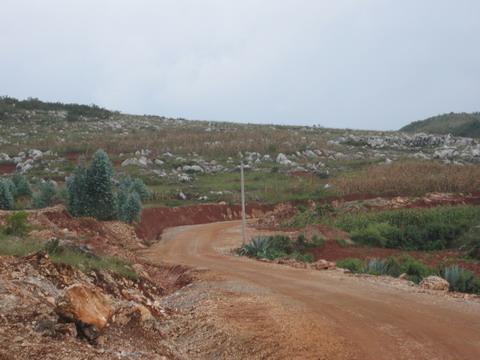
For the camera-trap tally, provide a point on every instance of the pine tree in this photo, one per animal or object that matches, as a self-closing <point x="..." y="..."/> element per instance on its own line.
<point x="135" y="185"/>
<point x="22" y="186"/>
<point x="131" y="208"/>
<point x="7" y="202"/>
<point x="99" y="188"/>
<point x="77" y="192"/>
<point x="45" y="196"/>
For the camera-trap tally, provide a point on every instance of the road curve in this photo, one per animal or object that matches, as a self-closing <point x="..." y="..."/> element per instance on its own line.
<point x="380" y="322"/>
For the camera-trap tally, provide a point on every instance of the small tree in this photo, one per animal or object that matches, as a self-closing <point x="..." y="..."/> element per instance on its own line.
<point x="77" y="192"/>
<point x="16" y="224"/>
<point x="135" y="185"/>
<point x="21" y="185"/>
<point x="45" y="196"/>
<point x="7" y="201"/>
<point x="99" y="188"/>
<point x="129" y="207"/>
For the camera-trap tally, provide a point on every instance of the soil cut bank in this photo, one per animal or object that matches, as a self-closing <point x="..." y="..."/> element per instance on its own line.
<point x="154" y="220"/>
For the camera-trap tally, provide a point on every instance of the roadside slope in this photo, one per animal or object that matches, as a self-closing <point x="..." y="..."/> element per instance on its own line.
<point x="372" y="320"/>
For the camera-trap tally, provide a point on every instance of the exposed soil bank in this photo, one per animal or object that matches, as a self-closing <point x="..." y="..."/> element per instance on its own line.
<point x="154" y="220"/>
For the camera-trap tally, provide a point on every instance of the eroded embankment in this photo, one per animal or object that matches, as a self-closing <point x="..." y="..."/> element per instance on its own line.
<point x="155" y="220"/>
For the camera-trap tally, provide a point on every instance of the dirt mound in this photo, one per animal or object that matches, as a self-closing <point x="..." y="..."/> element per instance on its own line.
<point x="155" y="220"/>
<point x="32" y="324"/>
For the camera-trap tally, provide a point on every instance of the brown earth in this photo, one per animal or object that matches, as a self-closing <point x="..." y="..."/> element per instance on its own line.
<point x="154" y="220"/>
<point x="7" y="168"/>
<point x="306" y="314"/>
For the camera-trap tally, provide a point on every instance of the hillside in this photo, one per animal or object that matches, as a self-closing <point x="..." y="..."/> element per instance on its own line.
<point x="457" y="124"/>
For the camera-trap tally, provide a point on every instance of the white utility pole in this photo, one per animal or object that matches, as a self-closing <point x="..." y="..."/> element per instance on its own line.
<point x="242" y="181"/>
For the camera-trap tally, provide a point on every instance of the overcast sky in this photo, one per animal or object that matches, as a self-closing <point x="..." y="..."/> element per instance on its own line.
<point x="376" y="64"/>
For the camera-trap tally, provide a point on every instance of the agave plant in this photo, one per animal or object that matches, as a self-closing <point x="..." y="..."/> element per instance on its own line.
<point x="458" y="278"/>
<point x="257" y="247"/>
<point x="376" y="267"/>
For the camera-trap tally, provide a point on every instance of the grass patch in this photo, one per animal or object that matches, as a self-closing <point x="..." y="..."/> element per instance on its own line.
<point x="411" y="229"/>
<point x="74" y="257"/>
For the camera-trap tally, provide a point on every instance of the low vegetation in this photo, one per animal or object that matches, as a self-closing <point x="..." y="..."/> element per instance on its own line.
<point x="460" y="280"/>
<point x="411" y="229"/>
<point x="409" y="178"/>
<point x="457" y="124"/>
<point x="13" y="242"/>
<point x="280" y="246"/>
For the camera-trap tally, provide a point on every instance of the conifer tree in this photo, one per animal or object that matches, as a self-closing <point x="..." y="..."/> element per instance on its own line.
<point x="99" y="188"/>
<point x="77" y="192"/>
<point x="22" y="186"/>
<point x="7" y="202"/>
<point x="130" y="208"/>
<point x="45" y="196"/>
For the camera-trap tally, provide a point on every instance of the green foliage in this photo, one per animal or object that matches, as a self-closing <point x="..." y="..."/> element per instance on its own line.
<point x="129" y="207"/>
<point x="317" y="241"/>
<point x="461" y="280"/>
<point x="78" y="202"/>
<point x="22" y="187"/>
<point x="135" y="185"/>
<point x="99" y="187"/>
<point x="7" y="201"/>
<point x="74" y="111"/>
<point x="375" y="234"/>
<point x="45" y="196"/>
<point x="16" y="224"/>
<point x="354" y="265"/>
<point x="471" y="243"/>
<point x="276" y="246"/>
<point x="457" y="124"/>
<point x="411" y="229"/>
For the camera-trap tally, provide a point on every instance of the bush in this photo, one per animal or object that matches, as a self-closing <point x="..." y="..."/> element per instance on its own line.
<point x="414" y="269"/>
<point x="354" y="265"/>
<point x="376" y="267"/>
<point x="45" y="196"/>
<point x="22" y="187"/>
<point x="375" y="234"/>
<point x="276" y="246"/>
<point x="471" y="243"/>
<point x="461" y="280"/>
<point x="257" y="247"/>
<point x="317" y="241"/>
<point x="7" y="201"/>
<point x="129" y="207"/>
<point x="418" y="229"/>
<point x="16" y="224"/>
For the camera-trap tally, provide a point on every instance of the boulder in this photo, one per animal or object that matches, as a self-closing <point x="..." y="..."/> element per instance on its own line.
<point x="435" y="283"/>
<point x="283" y="160"/>
<point x="323" y="265"/>
<point x="85" y="305"/>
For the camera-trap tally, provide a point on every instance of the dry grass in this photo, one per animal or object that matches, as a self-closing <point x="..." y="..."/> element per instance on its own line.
<point x="410" y="178"/>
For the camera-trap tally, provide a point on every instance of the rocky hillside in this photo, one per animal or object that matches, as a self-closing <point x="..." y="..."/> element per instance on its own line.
<point x="457" y="124"/>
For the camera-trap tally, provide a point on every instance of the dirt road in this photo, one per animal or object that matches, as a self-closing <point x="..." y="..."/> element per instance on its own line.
<point x="371" y="320"/>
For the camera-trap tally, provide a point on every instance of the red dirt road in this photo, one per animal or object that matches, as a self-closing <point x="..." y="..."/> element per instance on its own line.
<point x="375" y="320"/>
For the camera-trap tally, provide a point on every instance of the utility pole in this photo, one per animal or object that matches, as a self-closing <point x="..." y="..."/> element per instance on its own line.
<point x="242" y="181"/>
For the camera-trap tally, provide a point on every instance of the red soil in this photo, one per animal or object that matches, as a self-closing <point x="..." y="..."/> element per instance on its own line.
<point x="155" y="220"/>
<point x="7" y="168"/>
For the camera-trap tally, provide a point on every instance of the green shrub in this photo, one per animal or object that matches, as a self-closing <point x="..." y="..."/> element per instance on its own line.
<point x="461" y="280"/>
<point x="16" y="224"/>
<point x="21" y="185"/>
<point x="376" y="267"/>
<point x="411" y="229"/>
<point x="352" y="264"/>
<point x="375" y="234"/>
<point x="471" y="243"/>
<point x="317" y="241"/>
<point x="415" y="269"/>
<point x="129" y="207"/>
<point x="99" y="187"/>
<point x="45" y="196"/>
<point x="7" y="201"/>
